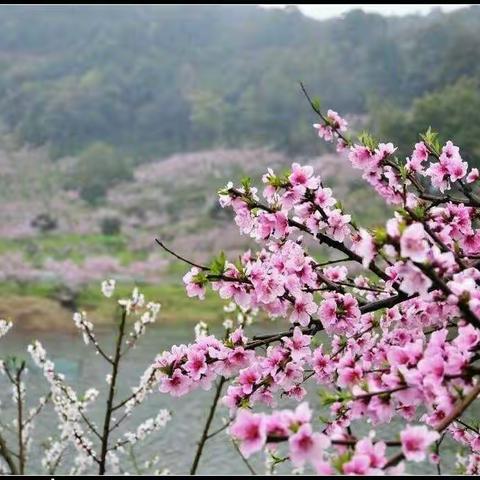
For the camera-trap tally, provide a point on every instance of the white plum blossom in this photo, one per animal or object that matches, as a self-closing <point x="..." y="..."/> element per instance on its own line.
<point x="108" y="287"/>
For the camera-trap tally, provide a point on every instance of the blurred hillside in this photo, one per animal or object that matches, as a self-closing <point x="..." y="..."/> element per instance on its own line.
<point x="54" y="244"/>
<point x="155" y="80"/>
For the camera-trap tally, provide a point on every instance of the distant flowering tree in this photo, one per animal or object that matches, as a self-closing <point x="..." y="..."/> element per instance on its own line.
<point x="82" y="445"/>
<point x="16" y="434"/>
<point x="389" y="327"/>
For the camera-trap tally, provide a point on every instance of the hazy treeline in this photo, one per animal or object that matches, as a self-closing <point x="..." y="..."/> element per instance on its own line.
<point x="151" y="80"/>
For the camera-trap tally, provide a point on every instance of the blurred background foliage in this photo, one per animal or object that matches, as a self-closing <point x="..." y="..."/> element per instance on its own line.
<point x="153" y="80"/>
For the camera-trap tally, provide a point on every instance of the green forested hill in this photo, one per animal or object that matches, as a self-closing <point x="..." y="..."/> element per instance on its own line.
<point x="152" y="80"/>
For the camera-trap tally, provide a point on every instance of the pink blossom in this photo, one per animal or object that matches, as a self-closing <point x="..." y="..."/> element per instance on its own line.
<point x="364" y="246"/>
<point x="306" y="445"/>
<point x="334" y="124"/>
<point x="336" y="273"/>
<point x="384" y="150"/>
<point x="324" y="131"/>
<point x="338" y="225"/>
<point x="194" y="288"/>
<point x="196" y="365"/>
<point x="468" y="338"/>
<point x="301" y="415"/>
<point x="292" y="196"/>
<point x="176" y="385"/>
<point x="339" y="313"/>
<point x="303" y="176"/>
<point x="375" y="451"/>
<point x="413" y="244"/>
<point x="298" y="344"/>
<point x="419" y="155"/>
<point x="473" y="175"/>
<point x="451" y="158"/>
<point x="248" y="378"/>
<point x="415" y="442"/>
<point x="414" y="281"/>
<point x="303" y="308"/>
<point x="358" y="465"/>
<point x="322" y="365"/>
<point x="380" y="409"/>
<point x="341" y="146"/>
<point x="449" y="168"/>
<point x="323" y="198"/>
<point x="361" y="157"/>
<point x="336" y="121"/>
<point x="438" y="173"/>
<point x="250" y="430"/>
<point x="402" y="337"/>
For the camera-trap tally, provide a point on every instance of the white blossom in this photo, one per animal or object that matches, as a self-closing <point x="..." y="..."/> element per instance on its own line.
<point x="108" y="287"/>
<point x="228" y="324"/>
<point x="201" y="329"/>
<point x="86" y="327"/>
<point x="136" y="301"/>
<point x="5" y="326"/>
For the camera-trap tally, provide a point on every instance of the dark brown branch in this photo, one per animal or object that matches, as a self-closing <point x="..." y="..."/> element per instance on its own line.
<point x="321" y="115"/>
<point x="111" y="394"/>
<point x="206" y="428"/>
<point x="21" y="442"/>
<point x="332" y="262"/>
<point x="134" y="394"/>
<point x="7" y="456"/>
<point x="183" y="259"/>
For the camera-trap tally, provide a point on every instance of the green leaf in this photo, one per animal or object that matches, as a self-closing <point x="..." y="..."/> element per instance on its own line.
<point x="341" y="460"/>
<point x="419" y="212"/>
<point x="431" y="139"/>
<point x="380" y="235"/>
<point x="241" y="269"/>
<point x="403" y="171"/>
<point x="316" y="103"/>
<point x="402" y="212"/>
<point x="279" y="181"/>
<point x="217" y="267"/>
<point x="430" y="136"/>
<point x="200" y="278"/>
<point x="368" y="141"/>
<point x="327" y="398"/>
<point x="246" y="183"/>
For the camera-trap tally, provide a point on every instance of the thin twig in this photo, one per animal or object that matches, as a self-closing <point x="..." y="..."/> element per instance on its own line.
<point x="242" y="456"/>
<point x="183" y="259"/>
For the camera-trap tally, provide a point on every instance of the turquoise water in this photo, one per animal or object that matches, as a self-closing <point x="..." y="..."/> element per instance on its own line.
<point x="176" y="443"/>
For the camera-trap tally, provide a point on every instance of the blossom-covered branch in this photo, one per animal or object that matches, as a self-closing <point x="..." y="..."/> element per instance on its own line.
<point x="399" y="339"/>
<point x="98" y="446"/>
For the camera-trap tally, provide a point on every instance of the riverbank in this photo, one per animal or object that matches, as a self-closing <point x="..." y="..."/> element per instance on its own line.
<point x="36" y="308"/>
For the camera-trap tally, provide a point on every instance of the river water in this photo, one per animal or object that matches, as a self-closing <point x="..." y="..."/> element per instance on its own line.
<point x="176" y="443"/>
